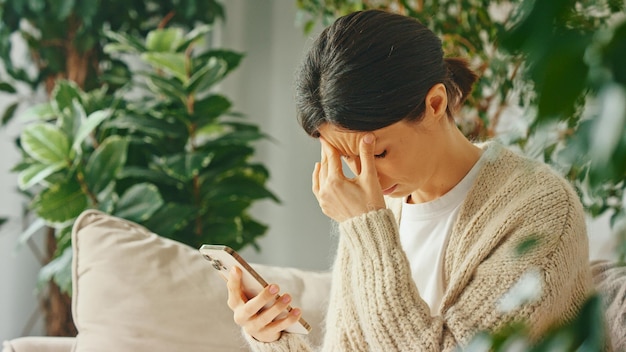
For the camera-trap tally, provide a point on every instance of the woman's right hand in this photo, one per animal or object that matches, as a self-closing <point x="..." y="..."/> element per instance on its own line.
<point x="249" y="313"/>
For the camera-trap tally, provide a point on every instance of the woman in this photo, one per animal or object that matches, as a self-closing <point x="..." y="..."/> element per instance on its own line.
<point x="431" y="225"/>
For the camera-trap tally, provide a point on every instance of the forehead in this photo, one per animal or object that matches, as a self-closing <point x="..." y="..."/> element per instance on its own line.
<point x="347" y="141"/>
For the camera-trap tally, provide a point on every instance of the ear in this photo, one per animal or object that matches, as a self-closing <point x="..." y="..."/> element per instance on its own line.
<point x="437" y="101"/>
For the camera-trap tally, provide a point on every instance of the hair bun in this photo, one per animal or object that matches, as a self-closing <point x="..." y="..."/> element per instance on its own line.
<point x="461" y="77"/>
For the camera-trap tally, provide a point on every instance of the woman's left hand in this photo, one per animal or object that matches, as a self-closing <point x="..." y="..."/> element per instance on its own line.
<point x="342" y="198"/>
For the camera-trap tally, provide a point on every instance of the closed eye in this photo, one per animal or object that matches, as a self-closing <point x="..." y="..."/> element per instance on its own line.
<point x="381" y="155"/>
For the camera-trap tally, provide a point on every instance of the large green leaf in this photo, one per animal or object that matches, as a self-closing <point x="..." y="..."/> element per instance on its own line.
<point x="139" y="202"/>
<point x="184" y="166"/>
<point x="45" y="143"/>
<point x="237" y="137"/>
<point x="91" y="122"/>
<point x="173" y="63"/>
<point x="61" y="203"/>
<point x="7" y="88"/>
<point x="171" y="218"/>
<point x="166" y="87"/>
<point x="64" y="94"/>
<point x="195" y="35"/>
<point x="149" y="175"/>
<point x="227" y="158"/>
<point x="43" y="111"/>
<point x="36" y="173"/>
<point x="146" y="125"/>
<point x="9" y="113"/>
<point x="206" y="110"/>
<point x="232" y="58"/>
<point x="105" y="163"/>
<point x="71" y="119"/>
<point x="122" y="43"/>
<point x="206" y="76"/>
<point x="238" y="187"/>
<point x="164" y="40"/>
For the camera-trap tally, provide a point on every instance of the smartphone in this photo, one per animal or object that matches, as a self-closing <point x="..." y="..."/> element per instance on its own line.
<point x="224" y="258"/>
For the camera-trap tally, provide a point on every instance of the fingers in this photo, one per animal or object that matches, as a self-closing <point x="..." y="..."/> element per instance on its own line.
<point x="288" y="320"/>
<point x="275" y="315"/>
<point x="236" y="297"/>
<point x="264" y="316"/>
<point x="366" y="153"/>
<point x="315" y="181"/>
<point x="332" y="157"/>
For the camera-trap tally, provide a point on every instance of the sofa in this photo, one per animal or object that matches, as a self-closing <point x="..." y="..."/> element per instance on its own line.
<point x="136" y="291"/>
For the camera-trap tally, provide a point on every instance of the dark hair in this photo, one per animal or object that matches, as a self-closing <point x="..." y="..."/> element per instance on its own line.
<point x="371" y="69"/>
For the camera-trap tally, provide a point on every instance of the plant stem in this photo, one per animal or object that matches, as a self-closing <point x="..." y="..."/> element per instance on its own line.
<point x="166" y="19"/>
<point x="83" y="186"/>
<point x="196" y="196"/>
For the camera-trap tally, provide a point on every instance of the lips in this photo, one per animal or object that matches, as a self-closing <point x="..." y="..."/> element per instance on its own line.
<point x="390" y="190"/>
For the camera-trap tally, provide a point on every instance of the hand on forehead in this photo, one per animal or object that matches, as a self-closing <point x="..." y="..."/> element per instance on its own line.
<point x="345" y="142"/>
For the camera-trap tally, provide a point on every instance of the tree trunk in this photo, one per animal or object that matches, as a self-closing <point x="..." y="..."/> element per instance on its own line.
<point x="57" y="306"/>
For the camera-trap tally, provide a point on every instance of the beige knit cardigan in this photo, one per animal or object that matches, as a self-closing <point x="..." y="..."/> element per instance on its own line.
<point x="375" y="305"/>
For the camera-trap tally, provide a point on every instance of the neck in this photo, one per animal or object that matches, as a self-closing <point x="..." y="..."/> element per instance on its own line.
<point x="456" y="160"/>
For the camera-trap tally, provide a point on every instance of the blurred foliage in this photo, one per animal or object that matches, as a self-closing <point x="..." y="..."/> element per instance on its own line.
<point x="164" y="151"/>
<point x="575" y="66"/>
<point x="64" y="37"/>
<point x="586" y="333"/>
<point x="552" y="82"/>
<point x="64" y="40"/>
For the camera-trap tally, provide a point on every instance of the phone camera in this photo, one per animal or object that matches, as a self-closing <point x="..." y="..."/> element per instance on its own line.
<point x="217" y="264"/>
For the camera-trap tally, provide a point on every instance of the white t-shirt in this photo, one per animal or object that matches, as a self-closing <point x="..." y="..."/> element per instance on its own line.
<point x="424" y="232"/>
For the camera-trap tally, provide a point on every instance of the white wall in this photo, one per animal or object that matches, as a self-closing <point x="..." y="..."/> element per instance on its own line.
<point x="18" y="268"/>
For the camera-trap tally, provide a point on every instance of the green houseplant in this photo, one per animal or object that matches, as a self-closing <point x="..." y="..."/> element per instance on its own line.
<point x="166" y="159"/>
<point x="138" y="131"/>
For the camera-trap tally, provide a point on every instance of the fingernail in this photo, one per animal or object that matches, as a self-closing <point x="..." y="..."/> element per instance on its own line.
<point x="295" y="311"/>
<point x="286" y="298"/>
<point x="368" y="138"/>
<point x="273" y="289"/>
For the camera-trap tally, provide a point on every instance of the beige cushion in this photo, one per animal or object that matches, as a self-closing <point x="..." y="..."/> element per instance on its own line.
<point x="136" y="291"/>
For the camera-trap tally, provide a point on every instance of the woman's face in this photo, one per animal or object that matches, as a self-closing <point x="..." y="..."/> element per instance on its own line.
<point x="407" y="153"/>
